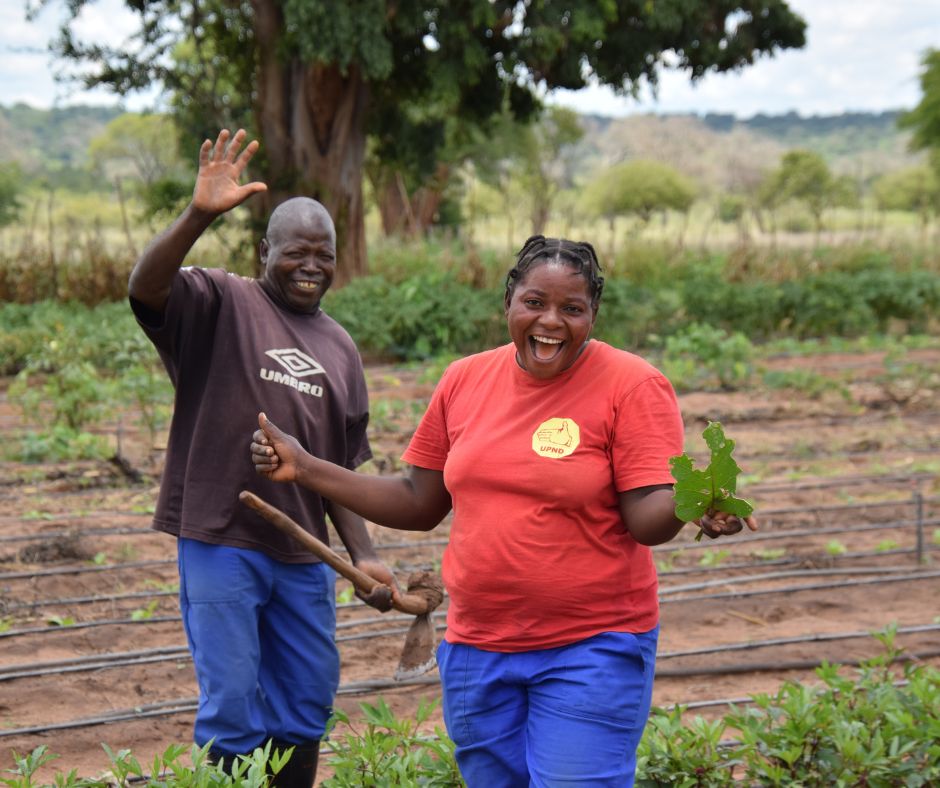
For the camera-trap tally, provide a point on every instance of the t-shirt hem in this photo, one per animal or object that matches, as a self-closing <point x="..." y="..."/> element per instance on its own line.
<point x="174" y="529"/>
<point x="542" y="644"/>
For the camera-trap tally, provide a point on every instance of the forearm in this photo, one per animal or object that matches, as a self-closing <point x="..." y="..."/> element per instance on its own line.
<point x="152" y="276"/>
<point x="394" y="502"/>
<point x="650" y="518"/>
<point x="353" y="533"/>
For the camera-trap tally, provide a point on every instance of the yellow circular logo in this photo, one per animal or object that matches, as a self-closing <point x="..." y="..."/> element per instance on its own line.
<point x="556" y="438"/>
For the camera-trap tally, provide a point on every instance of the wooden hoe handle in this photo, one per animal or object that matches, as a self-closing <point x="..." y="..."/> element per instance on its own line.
<point x="405" y="603"/>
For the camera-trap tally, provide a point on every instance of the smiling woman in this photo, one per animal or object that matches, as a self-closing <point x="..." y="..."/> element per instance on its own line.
<point x="553" y="452"/>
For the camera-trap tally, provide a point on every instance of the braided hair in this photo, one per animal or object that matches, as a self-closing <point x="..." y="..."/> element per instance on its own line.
<point x="580" y="255"/>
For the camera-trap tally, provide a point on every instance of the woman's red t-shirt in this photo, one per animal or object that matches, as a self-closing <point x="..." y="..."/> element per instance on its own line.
<point x="538" y="555"/>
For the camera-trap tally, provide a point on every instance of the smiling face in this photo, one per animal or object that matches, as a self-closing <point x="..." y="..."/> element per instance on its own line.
<point x="550" y="317"/>
<point x="299" y="254"/>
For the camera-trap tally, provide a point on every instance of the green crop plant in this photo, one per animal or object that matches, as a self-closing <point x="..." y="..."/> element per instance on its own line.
<point x="346" y="595"/>
<point x="145" y="613"/>
<point x="769" y="553"/>
<point x="713" y="557"/>
<point x="865" y="729"/>
<point x="389" y="750"/>
<point x="936" y="536"/>
<point x="712" y="489"/>
<point x="60" y="621"/>
<point x="835" y="547"/>
<point x="702" y="356"/>
<point x="885" y="545"/>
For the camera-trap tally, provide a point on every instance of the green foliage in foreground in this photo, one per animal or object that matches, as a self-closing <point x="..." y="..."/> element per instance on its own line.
<point x="866" y="729"/>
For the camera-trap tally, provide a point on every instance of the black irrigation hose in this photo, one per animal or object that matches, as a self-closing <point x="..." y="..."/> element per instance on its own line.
<point x="186" y="705"/>
<point x="181" y="653"/>
<point x="81" y="570"/>
<point x="842" y="481"/>
<point x="768" y="536"/>
<point x="811" y="587"/>
<point x="48" y="536"/>
<point x="739" y="579"/>
<point x="825" y="637"/>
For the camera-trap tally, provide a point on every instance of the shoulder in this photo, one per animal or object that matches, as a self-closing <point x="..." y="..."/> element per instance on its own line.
<point x="478" y="365"/>
<point x="622" y="369"/>
<point x="329" y="326"/>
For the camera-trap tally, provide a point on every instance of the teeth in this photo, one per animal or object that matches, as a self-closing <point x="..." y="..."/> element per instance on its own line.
<point x="307" y="285"/>
<point x="547" y="340"/>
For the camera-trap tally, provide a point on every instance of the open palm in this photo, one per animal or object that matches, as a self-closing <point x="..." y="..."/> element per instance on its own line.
<point x="221" y="166"/>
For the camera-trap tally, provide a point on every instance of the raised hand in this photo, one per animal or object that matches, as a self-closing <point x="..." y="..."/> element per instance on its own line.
<point x="220" y="169"/>
<point x="274" y="453"/>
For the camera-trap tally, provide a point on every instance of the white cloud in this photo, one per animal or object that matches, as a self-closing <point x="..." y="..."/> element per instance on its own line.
<point x="861" y="55"/>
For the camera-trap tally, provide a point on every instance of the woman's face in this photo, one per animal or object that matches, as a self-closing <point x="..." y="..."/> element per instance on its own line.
<point x="550" y="318"/>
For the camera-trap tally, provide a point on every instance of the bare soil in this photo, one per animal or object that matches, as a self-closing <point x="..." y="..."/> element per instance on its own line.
<point x="840" y="486"/>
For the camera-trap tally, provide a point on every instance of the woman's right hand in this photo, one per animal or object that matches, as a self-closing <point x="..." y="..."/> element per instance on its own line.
<point x="275" y="454"/>
<point x="220" y="168"/>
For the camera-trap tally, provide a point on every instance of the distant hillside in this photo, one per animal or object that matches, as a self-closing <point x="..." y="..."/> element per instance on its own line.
<point x="43" y="140"/>
<point x="719" y="151"/>
<point x="723" y="153"/>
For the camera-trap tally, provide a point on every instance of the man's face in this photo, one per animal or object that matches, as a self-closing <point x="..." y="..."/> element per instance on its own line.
<point x="299" y="258"/>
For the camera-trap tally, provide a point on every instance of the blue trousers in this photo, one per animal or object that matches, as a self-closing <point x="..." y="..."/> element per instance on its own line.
<point x="262" y="636"/>
<point x="568" y="716"/>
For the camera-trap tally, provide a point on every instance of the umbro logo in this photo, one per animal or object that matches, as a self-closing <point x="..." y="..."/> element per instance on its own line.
<point x="298" y="363"/>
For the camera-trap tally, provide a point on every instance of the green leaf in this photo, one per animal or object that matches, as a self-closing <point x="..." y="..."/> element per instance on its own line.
<point x="697" y="492"/>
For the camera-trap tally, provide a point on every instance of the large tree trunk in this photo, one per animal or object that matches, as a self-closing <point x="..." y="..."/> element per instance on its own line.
<point x="311" y="120"/>
<point x="408" y="214"/>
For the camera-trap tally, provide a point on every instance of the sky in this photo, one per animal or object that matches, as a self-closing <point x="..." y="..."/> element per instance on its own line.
<point x="861" y="55"/>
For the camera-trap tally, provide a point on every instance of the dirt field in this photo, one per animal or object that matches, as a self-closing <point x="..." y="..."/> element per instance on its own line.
<point x="92" y="650"/>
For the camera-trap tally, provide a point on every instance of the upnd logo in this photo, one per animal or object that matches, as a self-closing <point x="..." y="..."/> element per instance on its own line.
<point x="556" y="438"/>
<point x="296" y="362"/>
<point x="300" y="365"/>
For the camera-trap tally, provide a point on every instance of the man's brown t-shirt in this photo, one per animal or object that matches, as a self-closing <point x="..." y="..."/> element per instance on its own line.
<point x="231" y="352"/>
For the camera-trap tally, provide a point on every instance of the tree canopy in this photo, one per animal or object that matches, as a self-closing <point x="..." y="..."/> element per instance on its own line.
<point x="313" y="78"/>
<point x="924" y="119"/>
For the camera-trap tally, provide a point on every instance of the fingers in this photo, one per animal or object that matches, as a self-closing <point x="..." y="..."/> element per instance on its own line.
<point x="380" y="598"/>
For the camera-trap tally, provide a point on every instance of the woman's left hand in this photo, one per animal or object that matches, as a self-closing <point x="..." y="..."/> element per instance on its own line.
<point x="715" y="524"/>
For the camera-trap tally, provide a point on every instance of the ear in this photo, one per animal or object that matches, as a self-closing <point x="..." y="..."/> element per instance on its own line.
<point x="263" y="248"/>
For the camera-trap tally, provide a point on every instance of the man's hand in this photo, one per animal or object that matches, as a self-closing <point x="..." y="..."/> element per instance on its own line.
<point x="274" y="453"/>
<point x="715" y="524"/>
<point x="380" y="599"/>
<point x="220" y="169"/>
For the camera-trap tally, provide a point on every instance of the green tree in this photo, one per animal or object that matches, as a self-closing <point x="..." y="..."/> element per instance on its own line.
<point x="143" y="147"/>
<point x="640" y="187"/>
<point x="924" y="119"/>
<point x="915" y="189"/>
<point x="546" y="166"/>
<point x="805" y="177"/>
<point x="319" y="75"/>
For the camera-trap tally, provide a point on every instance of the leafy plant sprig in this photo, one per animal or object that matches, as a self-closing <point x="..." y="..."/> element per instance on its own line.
<point x="712" y="489"/>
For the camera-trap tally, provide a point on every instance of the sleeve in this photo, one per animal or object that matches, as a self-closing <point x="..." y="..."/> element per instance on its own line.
<point x="430" y="444"/>
<point x="193" y="304"/>
<point x="648" y="430"/>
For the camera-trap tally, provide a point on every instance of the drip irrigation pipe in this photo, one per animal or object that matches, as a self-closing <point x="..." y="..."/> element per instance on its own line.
<point x="818" y="638"/>
<point x="842" y="481"/>
<point x="80" y="570"/>
<point x="764" y="667"/>
<point x="811" y="587"/>
<point x="181" y="653"/>
<point x="740" y="594"/>
<point x="186" y="705"/>
<point x="796" y="532"/>
<point x="739" y="579"/>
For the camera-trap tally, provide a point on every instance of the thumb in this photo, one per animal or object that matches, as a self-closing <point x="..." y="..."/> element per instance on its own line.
<point x="268" y="427"/>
